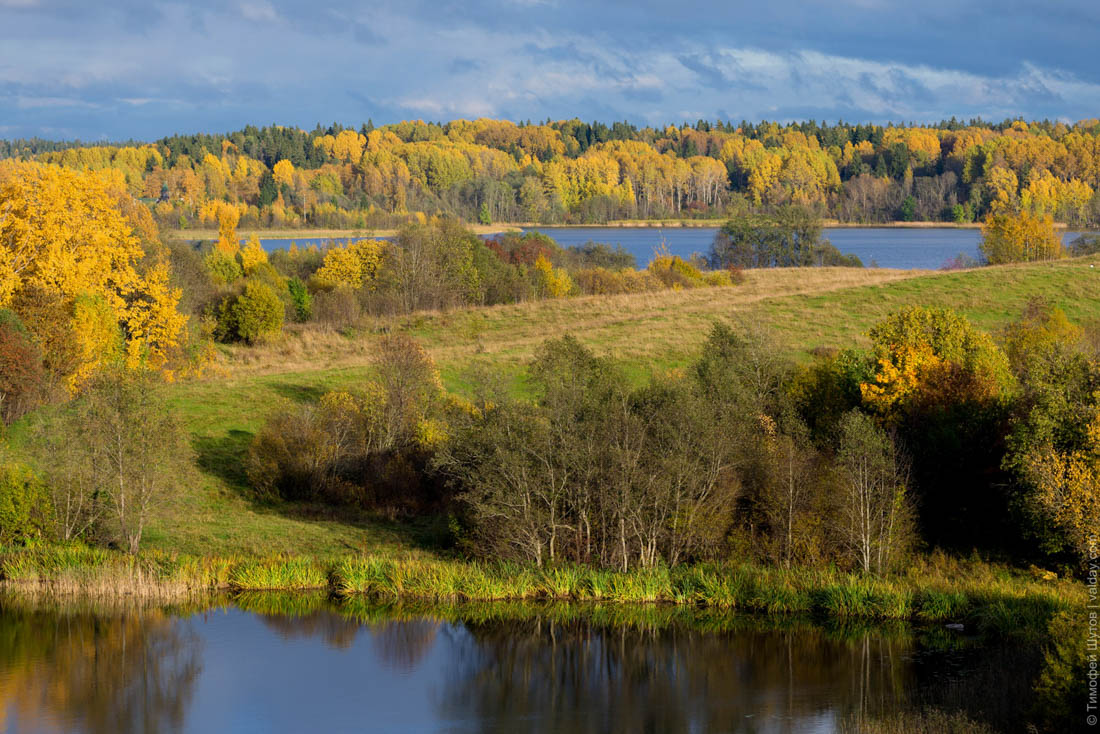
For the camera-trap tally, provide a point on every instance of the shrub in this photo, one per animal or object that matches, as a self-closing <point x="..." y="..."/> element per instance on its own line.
<point x="675" y="272"/>
<point x="256" y="314"/>
<point x="222" y="266"/>
<point x="24" y="504"/>
<point x="369" y="448"/>
<point x="300" y="299"/>
<point x="22" y="377"/>
<point x="336" y="308"/>
<point x="552" y="282"/>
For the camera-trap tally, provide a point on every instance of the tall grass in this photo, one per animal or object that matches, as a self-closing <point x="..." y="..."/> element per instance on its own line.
<point x="990" y="599"/>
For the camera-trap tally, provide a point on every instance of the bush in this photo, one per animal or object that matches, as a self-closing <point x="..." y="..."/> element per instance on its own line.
<point x="336" y="308"/>
<point x="22" y="377"/>
<point x="256" y="314"/>
<point x="1086" y="244"/>
<point x="675" y="272"/>
<point x="369" y="448"/>
<point x="223" y="267"/>
<point x="300" y="299"/>
<point x="24" y="504"/>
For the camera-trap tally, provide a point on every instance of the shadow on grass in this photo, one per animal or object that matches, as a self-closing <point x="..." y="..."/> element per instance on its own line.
<point x="299" y="393"/>
<point x="225" y="457"/>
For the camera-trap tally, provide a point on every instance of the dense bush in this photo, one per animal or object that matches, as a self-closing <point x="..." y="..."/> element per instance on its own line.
<point x="223" y="267"/>
<point x="22" y="376"/>
<point x="367" y="448"/>
<point x="254" y="315"/>
<point x="598" y="255"/>
<point x="1086" y="244"/>
<point x="791" y="237"/>
<point x="24" y="505"/>
<point x="300" y="299"/>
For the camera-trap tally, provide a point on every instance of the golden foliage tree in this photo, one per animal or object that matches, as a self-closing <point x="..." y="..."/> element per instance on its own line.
<point x="351" y="266"/>
<point x="252" y="254"/>
<point x="932" y="355"/>
<point x="1019" y="237"/>
<point x="64" y="239"/>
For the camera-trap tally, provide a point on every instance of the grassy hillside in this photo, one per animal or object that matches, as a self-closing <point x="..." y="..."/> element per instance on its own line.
<point x="649" y="332"/>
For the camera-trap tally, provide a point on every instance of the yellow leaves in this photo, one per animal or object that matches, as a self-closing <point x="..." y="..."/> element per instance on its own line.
<point x="252" y="254"/>
<point x="1008" y="238"/>
<point x="1002" y="187"/>
<point x="1047" y="196"/>
<point x="60" y="230"/>
<point x="97" y="337"/>
<point x="346" y="146"/>
<point x="352" y="265"/>
<point x="153" y="321"/>
<point x="932" y="356"/>
<point x="923" y="142"/>
<point x="283" y="172"/>
<point x="1069" y="485"/>
<point x="430" y="432"/>
<point x="9" y="279"/>
<point x="764" y="176"/>
<point x="228" y="216"/>
<point x="552" y="282"/>
<point x="899" y="375"/>
<point x="62" y="235"/>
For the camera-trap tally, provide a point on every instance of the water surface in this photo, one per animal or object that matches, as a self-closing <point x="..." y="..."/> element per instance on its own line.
<point x="376" y="668"/>
<point x="918" y="248"/>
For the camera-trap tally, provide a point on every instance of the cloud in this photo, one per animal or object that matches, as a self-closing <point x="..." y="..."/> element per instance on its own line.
<point x="146" y="69"/>
<point x="259" y="10"/>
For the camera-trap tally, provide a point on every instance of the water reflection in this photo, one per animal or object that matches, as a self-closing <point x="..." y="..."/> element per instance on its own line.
<point x="575" y="677"/>
<point x="296" y="663"/>
<point x="94" y="671"/>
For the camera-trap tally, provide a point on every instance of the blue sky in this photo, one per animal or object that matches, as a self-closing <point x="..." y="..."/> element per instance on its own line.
<point x="144" y="69"/>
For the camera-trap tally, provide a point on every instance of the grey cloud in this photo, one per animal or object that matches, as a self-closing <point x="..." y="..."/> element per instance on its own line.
<point x="204" y="66"/>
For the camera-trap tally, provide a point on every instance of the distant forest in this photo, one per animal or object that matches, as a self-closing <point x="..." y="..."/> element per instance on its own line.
<point x="576" y="172"/>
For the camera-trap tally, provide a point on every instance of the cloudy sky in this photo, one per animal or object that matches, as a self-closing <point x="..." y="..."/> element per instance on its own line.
<point x="144" y="68"/>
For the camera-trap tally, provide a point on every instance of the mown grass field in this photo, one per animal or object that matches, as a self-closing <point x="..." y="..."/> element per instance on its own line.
<point x="648" y="332"/>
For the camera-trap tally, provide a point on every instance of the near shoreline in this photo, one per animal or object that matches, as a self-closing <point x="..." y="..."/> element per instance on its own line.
<point x="985" y="598"/>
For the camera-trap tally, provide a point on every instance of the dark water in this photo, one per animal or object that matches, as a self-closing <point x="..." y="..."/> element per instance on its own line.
<point x="885" y="247"/>
<point x="532" y="669"/>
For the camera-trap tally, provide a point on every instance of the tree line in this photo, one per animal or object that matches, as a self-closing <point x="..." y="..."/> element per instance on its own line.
<point x="571" y="171"/>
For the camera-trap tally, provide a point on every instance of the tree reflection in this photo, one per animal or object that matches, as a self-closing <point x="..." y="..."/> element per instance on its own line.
<point x="96" y="671"/>
<point x="554" y="677"/>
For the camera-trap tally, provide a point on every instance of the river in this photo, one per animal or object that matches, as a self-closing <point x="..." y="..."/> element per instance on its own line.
<point x="284" y="663"/>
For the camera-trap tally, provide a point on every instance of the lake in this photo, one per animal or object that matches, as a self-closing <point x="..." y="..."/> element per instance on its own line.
<point x="926" y="248"/>
<point x="284" y="663"/>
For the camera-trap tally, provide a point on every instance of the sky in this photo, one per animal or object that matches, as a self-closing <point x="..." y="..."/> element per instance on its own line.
<point x="144" y="69"/>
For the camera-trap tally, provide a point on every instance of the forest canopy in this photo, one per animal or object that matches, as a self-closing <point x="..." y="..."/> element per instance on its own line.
<point x="571" y="171"/>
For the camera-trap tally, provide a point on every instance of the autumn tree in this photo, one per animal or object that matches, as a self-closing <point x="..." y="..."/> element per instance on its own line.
<point x="1053" y="415"/>
<point x="1019" y="237"/>
<point x="1068" y="486"/>
<point x="63" y="238"/>
<point x="945" y="386"/>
